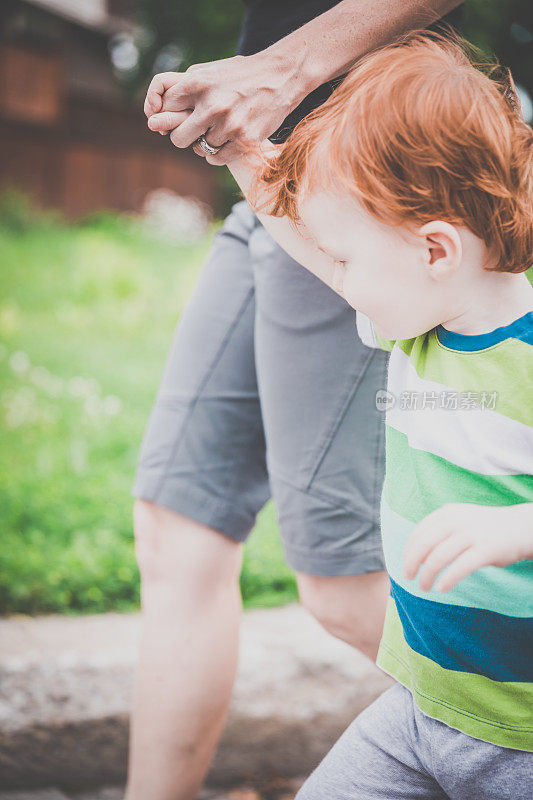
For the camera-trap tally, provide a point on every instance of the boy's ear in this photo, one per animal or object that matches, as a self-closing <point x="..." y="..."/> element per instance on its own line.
<point x="442" y="248"/>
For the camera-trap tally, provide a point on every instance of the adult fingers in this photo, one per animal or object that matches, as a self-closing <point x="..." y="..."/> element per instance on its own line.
<point x="156" y="89"/>
<point x="167" y="120"/>
<point x="230" y="143"/>
<point x="227" y="153"/>
<point x="194" y="126"/>
<point x="198" y="150"/>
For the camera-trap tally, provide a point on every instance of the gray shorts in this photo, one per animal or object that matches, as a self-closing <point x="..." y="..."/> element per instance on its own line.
<point x="392" y="751"/>
<point x="268" y="392"/>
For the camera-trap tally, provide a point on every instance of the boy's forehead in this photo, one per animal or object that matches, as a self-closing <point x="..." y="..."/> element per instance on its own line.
<point x="313" y="204"/>
<point x="324" y="211"/>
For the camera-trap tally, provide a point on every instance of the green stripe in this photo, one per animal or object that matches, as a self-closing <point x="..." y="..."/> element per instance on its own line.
<point x="418" y="482"/>
<point x="505" y="368"/>
<point x="498" y="712"/>
<point x="505" y="590"/>
<point x="384" y="344"/>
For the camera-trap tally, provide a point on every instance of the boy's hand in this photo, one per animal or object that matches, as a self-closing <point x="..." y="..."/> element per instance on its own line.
<point x="465" y="537"/>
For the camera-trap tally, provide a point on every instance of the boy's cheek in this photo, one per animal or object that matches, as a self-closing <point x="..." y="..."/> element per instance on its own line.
<point x="363" y="295"/>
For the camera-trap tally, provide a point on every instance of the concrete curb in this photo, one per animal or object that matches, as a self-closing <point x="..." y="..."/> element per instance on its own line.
<point x="65" y="691"/>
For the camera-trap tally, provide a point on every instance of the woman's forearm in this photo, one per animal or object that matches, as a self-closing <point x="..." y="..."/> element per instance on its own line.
<point x="328" y="45"/>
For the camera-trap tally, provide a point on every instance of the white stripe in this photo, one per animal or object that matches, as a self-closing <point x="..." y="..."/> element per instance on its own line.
<point x="365" y="329"/>
<point x="480" y="440"/>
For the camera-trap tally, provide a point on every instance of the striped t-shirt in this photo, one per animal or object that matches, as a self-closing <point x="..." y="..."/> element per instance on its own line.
<point x="459" y="429"/>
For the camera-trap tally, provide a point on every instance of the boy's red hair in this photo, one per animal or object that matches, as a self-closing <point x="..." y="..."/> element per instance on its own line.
<point x="424" y="128"/>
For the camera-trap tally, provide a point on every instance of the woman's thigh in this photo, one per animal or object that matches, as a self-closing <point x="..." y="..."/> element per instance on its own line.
<point x="203" y="452"/>
<point x="325" y="437"/>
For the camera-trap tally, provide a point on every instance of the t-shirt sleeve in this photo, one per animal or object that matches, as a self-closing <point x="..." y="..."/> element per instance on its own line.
<point x="368" y="335"/>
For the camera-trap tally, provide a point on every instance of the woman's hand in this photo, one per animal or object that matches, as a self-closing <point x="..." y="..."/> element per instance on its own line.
<point x="234" y="102"/>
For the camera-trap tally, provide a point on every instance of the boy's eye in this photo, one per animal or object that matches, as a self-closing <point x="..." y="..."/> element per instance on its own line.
<point x="335" y="260"/>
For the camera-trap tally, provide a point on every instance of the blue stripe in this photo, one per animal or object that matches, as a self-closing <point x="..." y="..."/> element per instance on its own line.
<point x="467" y="639"/>
<point x="521" y="328"/>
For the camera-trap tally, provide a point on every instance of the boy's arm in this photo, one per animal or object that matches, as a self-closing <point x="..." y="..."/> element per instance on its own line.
<point x="300" y="246"/>
<point x="463" y="537"/>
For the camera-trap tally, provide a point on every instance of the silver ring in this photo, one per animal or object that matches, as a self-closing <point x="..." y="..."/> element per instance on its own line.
<point x="206" y="147"/>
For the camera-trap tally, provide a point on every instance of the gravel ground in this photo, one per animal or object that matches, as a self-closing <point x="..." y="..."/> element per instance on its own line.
<point x="275" y="790"/>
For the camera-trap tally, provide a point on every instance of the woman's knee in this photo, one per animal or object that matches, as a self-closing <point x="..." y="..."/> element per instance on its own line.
<point x="171" y="547"/>
<point x="351" y="608"/>
<point x="325" y="599"/>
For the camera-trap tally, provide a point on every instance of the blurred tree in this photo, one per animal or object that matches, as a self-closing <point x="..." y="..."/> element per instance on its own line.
<point x="504" y="27"/>
<point x="170" y="35"/>
<point x="173" y="34"/>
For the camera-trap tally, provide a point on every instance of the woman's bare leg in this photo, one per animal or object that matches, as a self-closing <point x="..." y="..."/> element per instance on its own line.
<point x="191" y="608"/>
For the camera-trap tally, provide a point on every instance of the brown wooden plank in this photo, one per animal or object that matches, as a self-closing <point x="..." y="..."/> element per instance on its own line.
<point x="32" y="87"/>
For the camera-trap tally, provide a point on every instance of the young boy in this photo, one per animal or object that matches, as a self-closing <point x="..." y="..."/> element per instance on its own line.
<point x="410" y="192"/>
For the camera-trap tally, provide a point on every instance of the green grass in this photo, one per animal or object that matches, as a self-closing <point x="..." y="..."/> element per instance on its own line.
<point x="87" y="314"/>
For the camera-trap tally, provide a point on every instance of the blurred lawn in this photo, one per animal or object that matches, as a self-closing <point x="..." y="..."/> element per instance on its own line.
<point x="87" y="314"/>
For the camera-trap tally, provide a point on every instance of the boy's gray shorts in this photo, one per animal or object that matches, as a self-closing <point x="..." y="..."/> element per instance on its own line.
<point x="392" y="751"/>
<point x="268" y="391"/>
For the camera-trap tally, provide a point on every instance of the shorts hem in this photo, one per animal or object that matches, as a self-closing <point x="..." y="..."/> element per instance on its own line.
<point x="333" y="566"/>
<point x="225" y="516"/>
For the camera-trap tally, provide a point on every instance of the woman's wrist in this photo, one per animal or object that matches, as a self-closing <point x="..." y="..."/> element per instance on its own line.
<point x="296" y="71"/>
